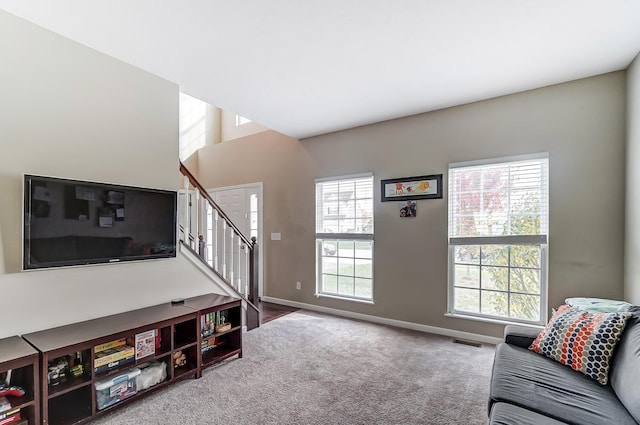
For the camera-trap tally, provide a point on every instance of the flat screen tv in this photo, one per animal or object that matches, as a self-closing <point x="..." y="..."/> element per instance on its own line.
<point x="72" y="222"/>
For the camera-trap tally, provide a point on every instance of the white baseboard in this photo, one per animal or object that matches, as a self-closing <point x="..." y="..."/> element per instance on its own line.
<point x="385" y="321"/>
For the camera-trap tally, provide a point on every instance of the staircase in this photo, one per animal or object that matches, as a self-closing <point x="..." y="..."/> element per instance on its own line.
<point x="218" y="246"/>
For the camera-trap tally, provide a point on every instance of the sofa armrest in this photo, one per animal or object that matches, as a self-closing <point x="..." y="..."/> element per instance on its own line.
<point x="521" y="336"/>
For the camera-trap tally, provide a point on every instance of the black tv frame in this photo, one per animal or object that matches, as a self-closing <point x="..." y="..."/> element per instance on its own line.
<point x="99" y="223"/>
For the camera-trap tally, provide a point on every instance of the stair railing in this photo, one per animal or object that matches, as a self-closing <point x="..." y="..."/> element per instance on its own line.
<point x="210" y="234"/>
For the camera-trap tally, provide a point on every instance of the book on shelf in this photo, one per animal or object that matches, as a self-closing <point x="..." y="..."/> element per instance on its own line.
<point x="207" y="324"/>
<point x="111" y="344"/>
<point x="122" y="354"/>
<point x="211" y="343"/>
<point x="158" y="339"/>
<point x="208" y="344"/>
<point x="145" y="343"/>
<point x="116" y="363"/>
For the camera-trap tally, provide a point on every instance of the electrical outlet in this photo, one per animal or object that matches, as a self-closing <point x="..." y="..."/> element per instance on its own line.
<point x="298" y="285"/>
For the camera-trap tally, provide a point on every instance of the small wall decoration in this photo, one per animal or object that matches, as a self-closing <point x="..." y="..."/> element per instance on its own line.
<point x="409" y="209"/>
<point x="412" y="188"/>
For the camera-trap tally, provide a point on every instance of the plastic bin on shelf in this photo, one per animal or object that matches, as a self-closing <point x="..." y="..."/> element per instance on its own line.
<point x="116" y="388"/>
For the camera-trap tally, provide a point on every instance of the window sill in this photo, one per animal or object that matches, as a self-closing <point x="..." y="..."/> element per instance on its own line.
<point x="494" y="320"/>
<point x="338" y="297"/>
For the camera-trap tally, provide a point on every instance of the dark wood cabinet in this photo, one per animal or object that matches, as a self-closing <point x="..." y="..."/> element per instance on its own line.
<point x="20" y="360"/>
<point x="217" y="345"/>
<point x="173" y="331"/>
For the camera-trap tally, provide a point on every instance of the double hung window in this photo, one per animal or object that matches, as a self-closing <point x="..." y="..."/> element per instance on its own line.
<point x="344" y="237"/>
<point x="498" y="228"/>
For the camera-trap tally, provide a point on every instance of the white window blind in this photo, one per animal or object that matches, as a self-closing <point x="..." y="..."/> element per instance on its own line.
<point x="498" y="229"/>
<point x="345" y="206"/>
<point x="499" y="199"/>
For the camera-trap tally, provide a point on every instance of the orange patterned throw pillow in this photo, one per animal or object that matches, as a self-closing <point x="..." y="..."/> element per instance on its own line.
<point x="582" y="340"/>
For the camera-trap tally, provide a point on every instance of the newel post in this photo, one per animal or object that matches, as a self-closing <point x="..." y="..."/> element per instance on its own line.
<point x="253" y="272"/>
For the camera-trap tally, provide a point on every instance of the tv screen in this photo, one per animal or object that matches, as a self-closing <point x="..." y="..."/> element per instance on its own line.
<point x="71" y="222"/>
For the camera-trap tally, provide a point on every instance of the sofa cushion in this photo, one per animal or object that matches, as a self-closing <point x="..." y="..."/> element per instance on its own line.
<point x="509" y="414"/>
<point x="545" y="386"/>
<point x="582" y="340"/>
<point x="598" y="305"/>
<point x="625" y="368"/>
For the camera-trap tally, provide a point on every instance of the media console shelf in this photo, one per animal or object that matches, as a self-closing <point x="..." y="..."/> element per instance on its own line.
<point x="20" y="360"/>
<point x="217" y="345"/>
<point x="75" y="362"/>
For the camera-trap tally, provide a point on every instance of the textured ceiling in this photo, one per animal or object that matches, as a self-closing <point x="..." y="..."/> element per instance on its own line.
<point x="308" y="67"/>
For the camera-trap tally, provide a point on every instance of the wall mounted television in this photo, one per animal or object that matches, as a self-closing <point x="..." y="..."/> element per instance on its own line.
<point x="72" y="222"/>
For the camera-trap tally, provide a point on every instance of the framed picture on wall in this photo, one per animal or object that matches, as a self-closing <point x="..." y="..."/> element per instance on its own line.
<point x="412" y="188"/>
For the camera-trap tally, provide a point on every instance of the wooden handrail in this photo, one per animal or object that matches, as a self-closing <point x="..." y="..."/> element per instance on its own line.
<point x="185" y="171"/>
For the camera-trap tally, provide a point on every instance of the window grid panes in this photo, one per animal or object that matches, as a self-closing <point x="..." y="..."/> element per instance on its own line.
<point x="498" y="280"/>
<point x="344" y="236"/>
<point x="498" y="225"/>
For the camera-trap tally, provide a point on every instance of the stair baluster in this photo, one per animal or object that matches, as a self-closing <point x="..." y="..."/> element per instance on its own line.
<point x="200" y="215"/>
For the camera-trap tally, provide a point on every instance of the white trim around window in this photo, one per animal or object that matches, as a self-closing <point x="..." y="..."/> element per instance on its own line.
<point x="344" y="237"/>
<point x="498" y="230"/>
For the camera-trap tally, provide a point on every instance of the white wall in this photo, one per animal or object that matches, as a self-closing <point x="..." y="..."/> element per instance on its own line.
<point x="69" y="111"/>
<point x="632" y="231"/>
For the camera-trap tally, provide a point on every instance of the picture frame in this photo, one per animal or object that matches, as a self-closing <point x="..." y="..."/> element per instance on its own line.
<point x="411" y="188"/>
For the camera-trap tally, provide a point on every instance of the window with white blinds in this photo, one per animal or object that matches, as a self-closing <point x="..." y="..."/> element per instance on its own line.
<point x="498" y="228"/>
<point x="344" y="237"/>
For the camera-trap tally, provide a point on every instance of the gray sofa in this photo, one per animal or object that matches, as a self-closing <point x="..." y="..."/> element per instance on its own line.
<point x="530" y="389"/>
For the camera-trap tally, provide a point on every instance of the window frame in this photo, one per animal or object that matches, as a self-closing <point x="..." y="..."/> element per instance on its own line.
<point x="321" y="237"/>
<point x="540" y="240"/>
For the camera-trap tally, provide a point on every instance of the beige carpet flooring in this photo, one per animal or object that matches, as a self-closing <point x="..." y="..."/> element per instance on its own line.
<point x="309" y="368"/>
